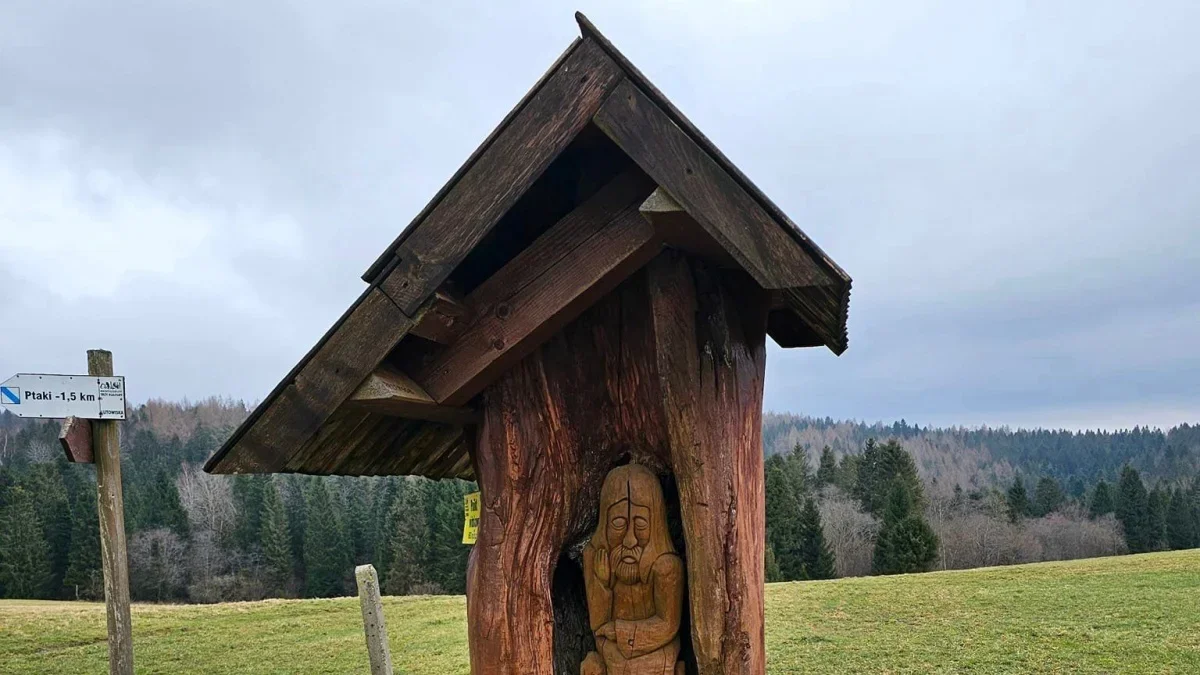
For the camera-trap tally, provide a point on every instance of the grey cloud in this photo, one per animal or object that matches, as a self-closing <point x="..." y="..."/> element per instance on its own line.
<point x="1012" y="188"/>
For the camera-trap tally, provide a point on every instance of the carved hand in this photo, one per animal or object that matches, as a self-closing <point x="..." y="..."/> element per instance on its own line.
<point x="608" y="631"/>
<point x="600" y="566"/>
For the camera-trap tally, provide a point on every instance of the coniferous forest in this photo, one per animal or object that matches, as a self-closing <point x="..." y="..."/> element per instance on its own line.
<point x="843" y="499"/>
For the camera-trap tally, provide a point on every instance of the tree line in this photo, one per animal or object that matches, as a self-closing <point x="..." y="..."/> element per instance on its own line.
<point x="202" y="538"/>
<point x="870" y="512"/>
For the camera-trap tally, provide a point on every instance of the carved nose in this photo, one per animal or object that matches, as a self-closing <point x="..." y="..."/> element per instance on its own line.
<point x="630" y="540"/>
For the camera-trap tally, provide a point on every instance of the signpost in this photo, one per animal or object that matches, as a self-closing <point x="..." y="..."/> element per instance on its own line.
<point x="60" y="396"/>
<point x="100" y="397"/>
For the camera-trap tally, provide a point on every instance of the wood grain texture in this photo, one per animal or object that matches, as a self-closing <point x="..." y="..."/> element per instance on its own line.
<point x="711" y="359"/>
<point x="322" y="382"/>
<point x="727" y="213"/>
<point x="554" y="425"/>
<point x="110" y="502"/>
<point x="574" y="263"/>
<point x="445" y="318"/>
<point x="520" y="152"/>
<point x="75" y="437"/>
<point x="667" y="372"/>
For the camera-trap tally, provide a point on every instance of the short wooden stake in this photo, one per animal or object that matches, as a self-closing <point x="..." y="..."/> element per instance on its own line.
<point x="106" y="450"/>
<point x="373" y="624"/>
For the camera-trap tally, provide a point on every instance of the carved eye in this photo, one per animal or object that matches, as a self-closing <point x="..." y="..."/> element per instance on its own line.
<point x="619" y="522"/>
<point x="640" y="523"/>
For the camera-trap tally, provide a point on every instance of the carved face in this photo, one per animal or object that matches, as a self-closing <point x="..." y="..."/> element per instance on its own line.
<point x="628" y="532"/>
<point x="633" y="523"/>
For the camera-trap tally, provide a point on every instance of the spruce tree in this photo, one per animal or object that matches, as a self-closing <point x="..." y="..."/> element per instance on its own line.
<point x="25" y="570"/>
<point x="880" y="467"/>
<point x="815" y="556"/>
<point x="326" y="560"/>
<point x="247" y="500"/>
<point x="1180" y="528"/>
<point x="275" y="540"/>
<point x="389" y="525"/>
<point x="783" y="520"/>
<point x="1133" y="511"/>
<point x="357" y="528"/>
<point x="1047" y="497"/>
<point x="827" y="468"/>
<point x="906" y="543"/>
<point x="295" y="503"/>
<point x="1102" y="500"/>
<point x="1156" y="518"/>
<point x="771" y="566"/>
<point x="84" y="579"/>
<point x="48" y="492"/>
<point x="410" y="540"/>
<point x="1017" y="501"/>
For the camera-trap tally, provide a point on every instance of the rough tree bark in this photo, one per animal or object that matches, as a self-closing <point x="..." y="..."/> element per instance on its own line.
<point x="665" y="371"/>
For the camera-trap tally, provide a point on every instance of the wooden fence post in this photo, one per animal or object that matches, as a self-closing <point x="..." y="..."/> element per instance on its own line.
<point x="106" y="449"/>
<point x="373" y="624"/>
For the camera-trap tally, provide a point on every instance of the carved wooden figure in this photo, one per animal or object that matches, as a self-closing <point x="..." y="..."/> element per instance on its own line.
<point x="634" y="580"/>
<point x="579" y="314"/>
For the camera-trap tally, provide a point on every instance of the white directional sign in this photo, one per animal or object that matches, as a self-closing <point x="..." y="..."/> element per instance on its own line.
<point x="54" y="396"/>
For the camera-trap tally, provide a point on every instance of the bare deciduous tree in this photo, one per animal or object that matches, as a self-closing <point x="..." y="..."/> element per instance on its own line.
<point x="157" y="564"/>
<point x="849" y="531"/>
<point x="208" y="501"/>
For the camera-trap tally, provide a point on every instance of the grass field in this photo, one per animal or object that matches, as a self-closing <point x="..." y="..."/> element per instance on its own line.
<point x="1133" y="614"/>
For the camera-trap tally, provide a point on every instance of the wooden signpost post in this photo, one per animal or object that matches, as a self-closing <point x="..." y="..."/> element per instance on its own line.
<point x="91" y="407"/>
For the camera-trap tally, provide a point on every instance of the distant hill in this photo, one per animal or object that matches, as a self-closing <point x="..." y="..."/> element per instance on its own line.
<point x="984" y="456"/>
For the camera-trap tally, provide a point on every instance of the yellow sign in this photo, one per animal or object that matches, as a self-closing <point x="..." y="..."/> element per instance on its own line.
<point x="470" y="518"/>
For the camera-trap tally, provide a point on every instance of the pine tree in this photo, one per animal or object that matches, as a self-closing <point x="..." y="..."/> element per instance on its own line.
<point x="1133" y="511"/>
<point x="795" y="463"/>
<point x="1047" y="497"/>
<point x="357" y="530"/>
<point x="388" y="526"/>
<point x="326" y="560"/>
<point x="815" y="556"/>
<point x="906" y="543"/>
<point x="296" y="506"/>
<point x="1102" y="500"/>
<point x="410" y="540"/>
<point x="826" y="468"/>
<point x="771" y="566"/>
<point x="25" y="570"/>
<point x="163" y="508"/>
<point x="783" y="520"/>
<point x="276" y="543"/>
<point x="1017" y="501"/>
<point x="847" y="473"/>
<point x="84" y="578"/>
<point x="1180" y="528"/>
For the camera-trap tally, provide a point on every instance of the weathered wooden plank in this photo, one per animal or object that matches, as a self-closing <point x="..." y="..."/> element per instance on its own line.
<point x="570" y="266"/>
<point x="76" y="440"/>
<point x="324" y="379"/>
<point x="502" y="173"/>
<point x="711" y="361"/>
<point x="390" y="392"/>
<point x="445" y="318"/>
<point x="706" y="191"/>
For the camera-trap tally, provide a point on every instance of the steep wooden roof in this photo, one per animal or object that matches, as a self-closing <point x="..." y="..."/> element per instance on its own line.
<point x="583" y="182"/>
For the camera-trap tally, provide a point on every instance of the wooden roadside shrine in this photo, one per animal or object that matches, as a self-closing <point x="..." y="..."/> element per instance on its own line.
<point x="591" y="290"/>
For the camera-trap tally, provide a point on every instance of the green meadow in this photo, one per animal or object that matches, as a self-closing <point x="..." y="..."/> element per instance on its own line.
<point x="1130" y="614"/>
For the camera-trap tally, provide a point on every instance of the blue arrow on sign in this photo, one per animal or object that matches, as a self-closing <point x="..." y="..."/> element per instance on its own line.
<point x="10" y="395"/>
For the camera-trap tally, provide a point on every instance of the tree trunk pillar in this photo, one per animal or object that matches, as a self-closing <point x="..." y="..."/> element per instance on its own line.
<point x="666" y="371"/>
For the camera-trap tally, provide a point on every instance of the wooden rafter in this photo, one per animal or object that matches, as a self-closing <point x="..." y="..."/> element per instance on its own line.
<point x="391" y="392"/>
<point x="568" y="267"/>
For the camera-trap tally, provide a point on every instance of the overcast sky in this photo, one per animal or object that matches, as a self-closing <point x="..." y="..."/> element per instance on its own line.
<point x="1014" y="187"/>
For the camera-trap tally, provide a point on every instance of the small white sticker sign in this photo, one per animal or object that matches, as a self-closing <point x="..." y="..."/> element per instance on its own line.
<point x="56" y="396"/>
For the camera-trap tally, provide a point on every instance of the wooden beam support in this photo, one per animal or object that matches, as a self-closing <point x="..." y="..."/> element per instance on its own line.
<point x="679" y="230"/>
<point x="391" y="392"/>
<point x="75" y="436"/>
<point x="445" y="318"/>
<point x="503" y="172"/>
<point x="582" y="257"/>
<point x="705" y="190"/>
